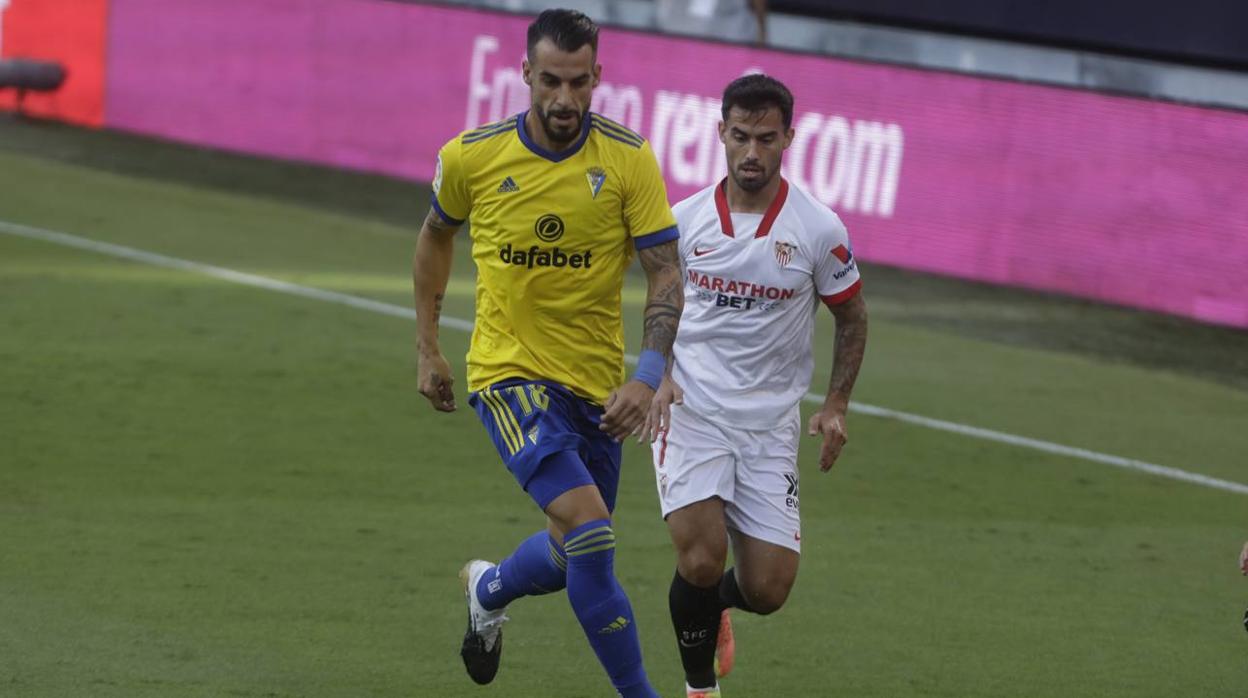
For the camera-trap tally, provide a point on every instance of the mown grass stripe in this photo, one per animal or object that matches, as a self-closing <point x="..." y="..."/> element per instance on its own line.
<point x="383" y="308"/>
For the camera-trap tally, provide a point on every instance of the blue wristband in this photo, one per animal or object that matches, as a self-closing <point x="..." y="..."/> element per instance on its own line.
<point x="650" y="368"/>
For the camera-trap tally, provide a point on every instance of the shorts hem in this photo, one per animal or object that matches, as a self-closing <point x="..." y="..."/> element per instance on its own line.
<point x="684" y="502"/>
<point x="556" y="495"/>
<point x="770" y="537"/>
<point x="555" y="492"/>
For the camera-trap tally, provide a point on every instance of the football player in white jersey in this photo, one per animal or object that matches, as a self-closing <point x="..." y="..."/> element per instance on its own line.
<point x="760" y="255"/>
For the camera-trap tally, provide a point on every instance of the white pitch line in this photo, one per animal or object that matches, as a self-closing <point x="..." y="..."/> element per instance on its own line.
<point x="393" y="310"/>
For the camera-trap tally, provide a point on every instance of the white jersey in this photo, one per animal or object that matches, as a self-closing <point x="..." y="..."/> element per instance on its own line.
<point x="752" y="285"/>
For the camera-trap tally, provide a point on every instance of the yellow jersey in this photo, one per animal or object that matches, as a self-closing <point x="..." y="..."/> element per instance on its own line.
<point x="552" y="234"/>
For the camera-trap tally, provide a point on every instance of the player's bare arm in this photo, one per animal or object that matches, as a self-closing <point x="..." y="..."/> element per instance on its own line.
<point x="628" y="406"/>
<point x="431" y="268"/>
<point x="850" y="346"/>
<point x="660" y="414"/>
<point x="664" y="298"/>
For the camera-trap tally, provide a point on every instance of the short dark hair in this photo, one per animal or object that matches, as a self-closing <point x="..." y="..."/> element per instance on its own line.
<point x="756" y="92"/>
<point x="567" y="29"/>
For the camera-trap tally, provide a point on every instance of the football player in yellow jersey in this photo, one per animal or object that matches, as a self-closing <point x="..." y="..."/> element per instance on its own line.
<point x="559" y="200"/>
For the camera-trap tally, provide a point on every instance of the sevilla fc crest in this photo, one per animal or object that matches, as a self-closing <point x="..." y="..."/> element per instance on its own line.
<point x="784" y="253"/>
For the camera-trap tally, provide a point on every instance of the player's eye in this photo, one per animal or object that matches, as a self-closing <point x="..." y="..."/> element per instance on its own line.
<point x="579" y="83"/>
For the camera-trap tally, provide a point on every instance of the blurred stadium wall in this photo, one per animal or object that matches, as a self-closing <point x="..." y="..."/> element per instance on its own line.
<point x="1202" y="32"/>
<point x="1117" y="199"/>
<point x="70" y="32"/>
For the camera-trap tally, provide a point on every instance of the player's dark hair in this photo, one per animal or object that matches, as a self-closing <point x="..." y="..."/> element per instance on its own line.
<point x="567" y="29"/>
<point x="755" y="93"/>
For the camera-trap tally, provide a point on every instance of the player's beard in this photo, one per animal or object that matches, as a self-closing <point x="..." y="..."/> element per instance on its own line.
<point x="756" y="183"/>
<point x="560" y="136"/>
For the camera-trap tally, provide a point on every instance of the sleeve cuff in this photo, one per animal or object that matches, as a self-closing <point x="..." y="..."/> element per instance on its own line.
<point x="658" y="237"/>
<point x="837" y="298"/>
<point x="445" y="216"/>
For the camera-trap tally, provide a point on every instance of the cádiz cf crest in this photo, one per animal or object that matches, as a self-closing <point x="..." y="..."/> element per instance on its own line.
<point x="596" y="176"/>
<point x="784" y="252"/>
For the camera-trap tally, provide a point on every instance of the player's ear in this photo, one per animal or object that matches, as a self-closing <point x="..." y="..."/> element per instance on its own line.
<point x="722" y="137"/>
<point x="597" y="74"/>
<point x="788" y="138"/>
<point x="526" y="71"/>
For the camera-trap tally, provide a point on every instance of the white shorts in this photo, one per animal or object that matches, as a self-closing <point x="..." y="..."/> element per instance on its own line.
<point x="754" y="472"/>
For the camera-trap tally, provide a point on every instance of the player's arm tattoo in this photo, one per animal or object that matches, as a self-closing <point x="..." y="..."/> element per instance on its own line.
<point x="437" y="307"/>
<point x="431" y="269"/>
<point x="437" y="223"/>
<point x="851" y="345"/>
<point x="665" y="299"/>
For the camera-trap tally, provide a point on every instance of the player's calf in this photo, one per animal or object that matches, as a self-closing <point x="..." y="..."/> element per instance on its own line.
<point x="603" y="609"/>
<point x="701" y="542"/>
<point x="696" y="611"/>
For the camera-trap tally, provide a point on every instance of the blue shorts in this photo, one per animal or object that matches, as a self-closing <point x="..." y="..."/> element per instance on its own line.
<point x="549" y="439"/>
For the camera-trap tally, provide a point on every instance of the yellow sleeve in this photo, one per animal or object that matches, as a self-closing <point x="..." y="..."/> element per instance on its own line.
<point x="646" y="211"/>
<point x="451" y="197"/>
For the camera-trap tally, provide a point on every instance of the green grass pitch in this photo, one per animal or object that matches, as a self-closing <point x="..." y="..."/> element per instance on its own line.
<point x="214" y="490"/>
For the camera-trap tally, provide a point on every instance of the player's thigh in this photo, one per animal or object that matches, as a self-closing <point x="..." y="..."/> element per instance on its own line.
<point x="764" y="516"/>
<point x="694" y="461"/>
<point x="536" y="430"/>
<point x="697" y="523"/>
<point x="603" y="456"/>
<point x="700" y="537"/>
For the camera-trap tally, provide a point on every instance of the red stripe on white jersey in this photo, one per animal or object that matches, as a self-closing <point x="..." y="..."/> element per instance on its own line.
<point x="838" y="298"/>
<point x="721" y="207"/>
<point x="773" y="210"/>
<point x="769" y="216"/>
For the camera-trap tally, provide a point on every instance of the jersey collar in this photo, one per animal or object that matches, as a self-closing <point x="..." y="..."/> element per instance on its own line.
<point x="769" y="217"/>
<point x="542" y="152"/>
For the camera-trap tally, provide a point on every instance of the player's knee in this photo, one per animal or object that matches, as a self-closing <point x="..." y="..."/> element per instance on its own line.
<point x="702" y="566"/>
<point x="766" y="596"/>
<point x="575" y="508"/>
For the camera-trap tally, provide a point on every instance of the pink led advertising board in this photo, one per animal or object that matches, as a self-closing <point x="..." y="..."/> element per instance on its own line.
<point x="1123" y="200"/>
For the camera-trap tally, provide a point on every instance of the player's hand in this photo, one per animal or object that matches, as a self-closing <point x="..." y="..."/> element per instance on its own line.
<point x="433" y="374"/>
<point x="626" y="410"/>
<point x="1243" y="561"/>
<point x="829" y="421"/>
<point x="660" y="414"/>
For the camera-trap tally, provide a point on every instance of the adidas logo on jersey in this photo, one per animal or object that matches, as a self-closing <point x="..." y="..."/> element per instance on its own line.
<point x="509" y="185"/>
